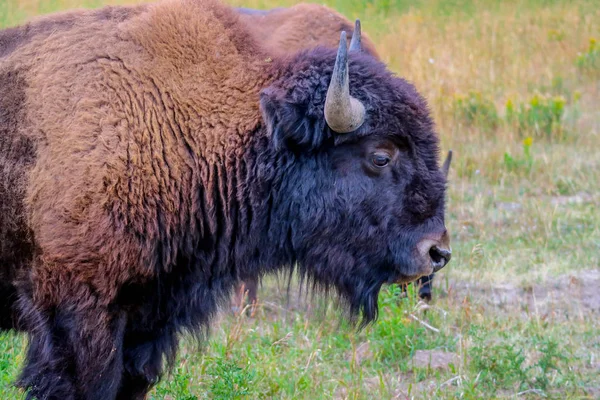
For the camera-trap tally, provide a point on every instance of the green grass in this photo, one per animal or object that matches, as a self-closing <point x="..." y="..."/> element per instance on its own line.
<point x="514" y="87"/>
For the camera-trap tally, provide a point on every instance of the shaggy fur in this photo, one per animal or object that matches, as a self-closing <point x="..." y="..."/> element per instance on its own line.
<point x="153" y="156"/>
<point x="287" y="31"/>
<point x="17" y="155"/>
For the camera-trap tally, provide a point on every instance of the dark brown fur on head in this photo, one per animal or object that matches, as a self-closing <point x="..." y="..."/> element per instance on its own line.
<point x="286" y="31"/>
<point x="153" y="156"/>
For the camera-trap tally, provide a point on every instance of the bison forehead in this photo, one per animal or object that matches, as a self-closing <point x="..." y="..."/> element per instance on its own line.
<point x="394" y="107"/>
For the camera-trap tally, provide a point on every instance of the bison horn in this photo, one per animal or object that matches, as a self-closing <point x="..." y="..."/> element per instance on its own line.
<point x="355" y="43"/>
<point x="343" y="113"/>
<point x="446" y="166"/>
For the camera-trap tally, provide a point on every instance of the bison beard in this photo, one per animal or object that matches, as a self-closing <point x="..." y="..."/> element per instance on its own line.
<point x="153" y="156"/>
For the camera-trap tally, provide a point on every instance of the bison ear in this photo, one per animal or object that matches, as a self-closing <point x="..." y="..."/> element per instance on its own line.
<point x="290" y="124"/>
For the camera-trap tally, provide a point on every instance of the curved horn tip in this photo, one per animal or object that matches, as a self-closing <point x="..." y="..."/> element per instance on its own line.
<point x="356" y="42"/>
<point x="343" y="43"/>
<point x="343" y="113"/>
<point x="341" y="59"/>
<point x="446" y="166"/>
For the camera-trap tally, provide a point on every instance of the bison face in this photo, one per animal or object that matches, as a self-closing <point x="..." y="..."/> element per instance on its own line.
<point x="393" y="210"/>
<point x="361" y="187"/>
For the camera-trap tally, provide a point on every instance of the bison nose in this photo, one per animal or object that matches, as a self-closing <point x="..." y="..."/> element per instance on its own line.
<point x="439" y="257"/>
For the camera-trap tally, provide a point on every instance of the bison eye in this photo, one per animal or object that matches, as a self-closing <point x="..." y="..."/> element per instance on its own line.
<point x="380" y="160"/>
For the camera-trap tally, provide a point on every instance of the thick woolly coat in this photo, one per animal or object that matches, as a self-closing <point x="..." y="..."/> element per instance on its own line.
<point x="115" y="137"/>
<point x="153" y="156"/>
<point x="126" y="136"/>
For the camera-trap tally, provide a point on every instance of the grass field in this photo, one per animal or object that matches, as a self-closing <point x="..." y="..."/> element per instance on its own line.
<point x="515" y="91"/>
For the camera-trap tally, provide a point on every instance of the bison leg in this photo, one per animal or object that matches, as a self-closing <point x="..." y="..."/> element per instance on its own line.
<point x="75" y="349"/>
<point x="250" y="287"/>
<point x="425" y="287"/>
<point x="424" y="284"/>
<point x="143" y="361"/>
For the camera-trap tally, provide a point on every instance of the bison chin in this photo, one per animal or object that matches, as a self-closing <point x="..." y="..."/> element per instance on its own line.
<point x="411" y="271"/>
<point x="357" y="297"/>
<point x="358" y="286"/>
<point x="355" y="288"/>
<point x="357" y="272"/>
<point x="364" y="303"/>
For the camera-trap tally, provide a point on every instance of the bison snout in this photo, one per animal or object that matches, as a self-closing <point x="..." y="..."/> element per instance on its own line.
<point x="435" y="251"/>
<point x="439" y="257"/>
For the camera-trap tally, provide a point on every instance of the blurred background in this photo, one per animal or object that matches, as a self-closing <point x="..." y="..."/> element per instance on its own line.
<point x="514" y="87"/>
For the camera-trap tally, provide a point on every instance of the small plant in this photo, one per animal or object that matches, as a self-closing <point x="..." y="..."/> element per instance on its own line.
<point x="231" y="381"/>
<point x="550" y="358"/>
<point x="507" y="363"/>
<point x="397" y="335"/>
<point x="541" y="116"/>
<point x="500" y="365"/>
<point x="475" y="109"/>
<point x="590" y="59"/>
<point x="555" y="35"/>
<point x="11" y="346"/>
<point x="565" y="185"/>
<point x="524" y="163"/>
<point x="177" y="387"/>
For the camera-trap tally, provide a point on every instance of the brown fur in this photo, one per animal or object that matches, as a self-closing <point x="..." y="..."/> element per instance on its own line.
<point x="45" y="26"/>
<point x="94" y="159"/>
<point x="17" y="152"/>
<point x="19" y="139"/>
<point x="303" y="26"/>
<point x="98" y="125"/>
<point x="153" y="156"/>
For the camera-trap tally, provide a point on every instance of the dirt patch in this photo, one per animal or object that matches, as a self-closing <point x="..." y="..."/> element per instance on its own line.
<point x="362" y="352"/>
<point x="593" y="392"/>
<point x="571" y="295"/>
<point x="579" y="198"/>
<point x="508" y="206"/>
<point x="406" y="388"/>
<point x="434" y="359"/>
<point x="399" y="386"/>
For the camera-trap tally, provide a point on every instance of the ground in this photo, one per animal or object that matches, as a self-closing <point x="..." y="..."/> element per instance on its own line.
<point x="514" y="87"/>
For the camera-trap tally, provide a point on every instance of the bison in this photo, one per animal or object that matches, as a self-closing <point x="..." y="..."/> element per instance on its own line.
<point x="287" y="31"/>
<point x="154" y="156"/>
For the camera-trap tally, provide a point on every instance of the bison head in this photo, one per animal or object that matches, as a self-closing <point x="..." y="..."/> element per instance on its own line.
<point x="361" y="188"/>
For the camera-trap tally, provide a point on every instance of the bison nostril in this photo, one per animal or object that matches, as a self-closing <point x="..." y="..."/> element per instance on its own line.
<point x="439" y="257"/>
